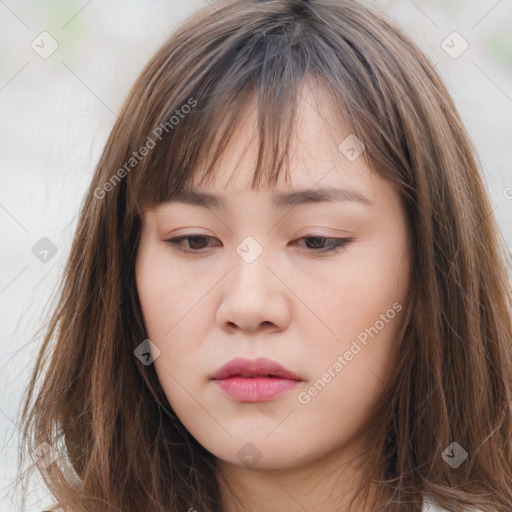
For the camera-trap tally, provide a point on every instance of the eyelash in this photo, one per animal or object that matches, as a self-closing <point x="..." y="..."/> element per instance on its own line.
<point x="335" y="246"/>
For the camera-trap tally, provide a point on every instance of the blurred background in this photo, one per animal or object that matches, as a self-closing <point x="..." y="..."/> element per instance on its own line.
<point x="65" y="69"/>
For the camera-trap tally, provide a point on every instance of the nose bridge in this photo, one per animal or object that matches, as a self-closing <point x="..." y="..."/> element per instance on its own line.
<point x="250" y="261"/>
<point x="252" y="295"/>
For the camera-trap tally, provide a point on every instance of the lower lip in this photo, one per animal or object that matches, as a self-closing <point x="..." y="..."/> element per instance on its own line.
<point x="255" y="389"/>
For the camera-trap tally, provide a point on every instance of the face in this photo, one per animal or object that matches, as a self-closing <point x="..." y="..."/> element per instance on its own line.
<point x="318" y="287"/>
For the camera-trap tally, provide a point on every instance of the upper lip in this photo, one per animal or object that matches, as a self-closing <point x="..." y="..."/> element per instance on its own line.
<point x="261" y="367"/>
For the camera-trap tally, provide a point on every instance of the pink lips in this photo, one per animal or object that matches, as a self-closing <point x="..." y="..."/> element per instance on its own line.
<point x="256" y="380"/>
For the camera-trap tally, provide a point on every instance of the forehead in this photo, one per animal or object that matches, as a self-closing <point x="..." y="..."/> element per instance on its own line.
<point x="317" y="154"/>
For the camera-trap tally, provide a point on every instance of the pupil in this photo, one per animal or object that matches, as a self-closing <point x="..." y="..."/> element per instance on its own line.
<point x="317" y="241"/>
<point x="194" y="240"/>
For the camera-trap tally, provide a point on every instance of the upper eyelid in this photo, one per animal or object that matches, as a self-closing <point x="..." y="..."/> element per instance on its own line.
<point x="175" y="241"/>
<point x="200" y="235"/>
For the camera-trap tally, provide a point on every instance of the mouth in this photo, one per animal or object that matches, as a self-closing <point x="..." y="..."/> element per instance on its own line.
<point x="261" y="367"/>
<point x="257" y="380"/>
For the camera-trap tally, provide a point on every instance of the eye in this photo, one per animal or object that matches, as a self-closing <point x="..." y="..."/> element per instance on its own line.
<point x="195" y="242"/>
<point x="321" y="244"/>
<point x="327" y="244"/>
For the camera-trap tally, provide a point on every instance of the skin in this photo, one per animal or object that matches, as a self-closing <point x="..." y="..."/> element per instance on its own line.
<point x="293" y="305"/>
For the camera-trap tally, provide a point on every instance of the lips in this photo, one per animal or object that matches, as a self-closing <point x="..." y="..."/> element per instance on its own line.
<point x="258" y="380"/>
<point x="261" y="367"/>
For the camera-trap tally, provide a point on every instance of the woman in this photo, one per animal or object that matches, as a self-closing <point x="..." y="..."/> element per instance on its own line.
<point x="285" y="291"/>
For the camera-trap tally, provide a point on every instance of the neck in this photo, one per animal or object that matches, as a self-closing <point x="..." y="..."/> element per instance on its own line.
<point x="323" y="485"/>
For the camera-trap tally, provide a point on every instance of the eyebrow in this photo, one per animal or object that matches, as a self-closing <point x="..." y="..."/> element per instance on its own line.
<point x="280" y="200"/>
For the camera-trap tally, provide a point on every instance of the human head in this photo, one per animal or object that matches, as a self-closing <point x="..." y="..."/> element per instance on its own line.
<point x="453" y="362"/>
<point x="252" y="289"/>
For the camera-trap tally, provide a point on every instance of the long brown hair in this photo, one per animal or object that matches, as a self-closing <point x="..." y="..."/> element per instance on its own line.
<point x="120" y="445"/>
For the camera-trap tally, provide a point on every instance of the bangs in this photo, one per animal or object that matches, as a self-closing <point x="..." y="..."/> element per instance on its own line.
<point x="191" y="150"/>
<point x="195" y="95"/>
<point x="265" y="68"/>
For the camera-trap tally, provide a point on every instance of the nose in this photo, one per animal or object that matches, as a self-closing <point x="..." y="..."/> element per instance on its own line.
<point x="254" y="298"/>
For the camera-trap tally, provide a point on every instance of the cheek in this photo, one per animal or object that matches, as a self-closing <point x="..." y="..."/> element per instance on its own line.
<point x="162" y="290"/>
<point x="359" y="287"/>
<point x="363" y="304"/>
<point x="174" y="309"/>
<point x="152" y="298"/>
<point x="351" y="370"/>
